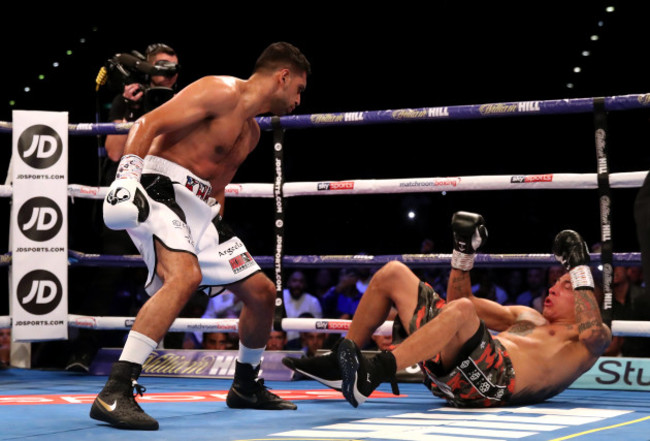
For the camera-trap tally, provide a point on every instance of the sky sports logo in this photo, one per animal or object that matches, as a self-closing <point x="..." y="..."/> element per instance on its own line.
<point x="324" y="186"/>
<point x="531" y="178"/>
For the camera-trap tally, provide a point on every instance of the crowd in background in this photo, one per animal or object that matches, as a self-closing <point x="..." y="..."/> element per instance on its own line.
<point x="334" y="293"/>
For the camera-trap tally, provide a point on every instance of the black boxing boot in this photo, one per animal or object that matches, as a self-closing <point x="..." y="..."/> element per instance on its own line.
<point x="248" y="391"/>
<point x="116" y="404"/>
<point x="361" y="375"/>
<point x="322" y="368"/>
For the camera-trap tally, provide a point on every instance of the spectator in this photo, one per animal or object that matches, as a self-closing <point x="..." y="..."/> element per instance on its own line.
<point x="635" y="275"/>
<point x="223" y="305"/>
<point x="487" y="287"/>
<point x="514" y="284"/>
<point x="435" y="277"/>
<point x="298" y="301"/>
<point x="277" y="341"/>
<point x="554" y="274"/>
<point x="536" y="292"/>
<point x="217" y="341"/>
<point x="365" y="274"/>
<point x="628" y="303"/>
<point x="341" y="300"/>
<point x="5" y="347"/>
<point x="312" y="342"/>
<point x="323" y="280"/>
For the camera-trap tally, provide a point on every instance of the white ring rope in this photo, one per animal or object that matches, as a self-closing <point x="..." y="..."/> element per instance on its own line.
<point x="557" y="181"/>
<point x="330" y="326"/>
<point x="621" y="328"/>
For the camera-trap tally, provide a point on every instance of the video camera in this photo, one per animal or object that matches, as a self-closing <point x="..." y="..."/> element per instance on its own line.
<point x="123" y="69"/>
<point x="134" y="68"/>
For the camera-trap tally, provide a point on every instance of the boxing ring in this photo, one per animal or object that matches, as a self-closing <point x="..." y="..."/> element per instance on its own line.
<point x="585" y="412"/>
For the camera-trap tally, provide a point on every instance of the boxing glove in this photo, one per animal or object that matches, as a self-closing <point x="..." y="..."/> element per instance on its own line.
<point x="572" y="252"/>
<point x="125" y="205"/>
<point x="469" y="234"/>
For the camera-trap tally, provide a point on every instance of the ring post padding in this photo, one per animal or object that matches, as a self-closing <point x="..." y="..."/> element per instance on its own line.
<point x="604" y="194"/>
<point x="278" y="140"/>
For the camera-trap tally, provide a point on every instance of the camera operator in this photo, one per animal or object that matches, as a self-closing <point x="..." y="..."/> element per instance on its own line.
<point x="130" y="105"/>
<point x="118" y="291"/>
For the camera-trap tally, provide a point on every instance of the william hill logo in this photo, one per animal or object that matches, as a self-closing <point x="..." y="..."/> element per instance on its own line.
<point x="176" y="364"/>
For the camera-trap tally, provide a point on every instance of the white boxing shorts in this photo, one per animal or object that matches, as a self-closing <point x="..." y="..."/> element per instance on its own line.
<point x="181" y="220"/>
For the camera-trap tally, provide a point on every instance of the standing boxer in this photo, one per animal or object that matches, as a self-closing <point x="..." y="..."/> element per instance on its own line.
<point x="192" y="146"/>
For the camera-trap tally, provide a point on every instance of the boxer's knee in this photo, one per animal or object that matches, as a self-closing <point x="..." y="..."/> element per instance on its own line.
<point x="463" y="310"/>
<point x="258" y="291"/>
<point x="393" y="275"/>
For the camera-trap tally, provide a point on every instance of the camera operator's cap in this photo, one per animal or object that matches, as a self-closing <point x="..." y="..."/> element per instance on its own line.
<point x="156" y="48"/>
<point x="163" y="67"/>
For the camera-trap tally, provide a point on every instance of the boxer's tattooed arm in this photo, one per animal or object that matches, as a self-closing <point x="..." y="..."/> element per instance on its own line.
<point x="593" y="333"/>
<point x="459" y="285"/>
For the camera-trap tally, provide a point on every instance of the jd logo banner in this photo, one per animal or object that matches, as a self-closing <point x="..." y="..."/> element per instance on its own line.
<point x="40" y="219"/>
<point x="39" y="292"/>
<point x="40" y="146"/>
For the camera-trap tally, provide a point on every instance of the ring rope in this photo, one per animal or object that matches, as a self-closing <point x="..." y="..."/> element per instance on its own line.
<point x="473" y="111"/>
<point x="551" y="181"/>
<point x="330" y="326"/>
<point x="77" y="258"/>
<point x="622" y="328"/>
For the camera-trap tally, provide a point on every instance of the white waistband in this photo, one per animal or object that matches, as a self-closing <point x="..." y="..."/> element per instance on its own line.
<point x="177" y="173"/>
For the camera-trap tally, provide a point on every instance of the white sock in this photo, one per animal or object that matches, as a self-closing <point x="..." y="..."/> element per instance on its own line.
<point x="250" y="356"/>
<point x="137" y="348"/>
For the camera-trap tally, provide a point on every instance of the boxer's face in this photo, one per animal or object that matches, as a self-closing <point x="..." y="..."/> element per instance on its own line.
<point x="560" y="302"/>
<point x="292" y="85"/>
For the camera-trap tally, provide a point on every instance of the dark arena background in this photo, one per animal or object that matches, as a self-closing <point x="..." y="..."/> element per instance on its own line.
<point x="408" y="57"/>
<point x="364" y="57"/>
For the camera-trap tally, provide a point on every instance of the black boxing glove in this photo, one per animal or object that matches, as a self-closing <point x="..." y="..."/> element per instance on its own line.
<point x="470" y="234"/>
<point x="572" y="252"/>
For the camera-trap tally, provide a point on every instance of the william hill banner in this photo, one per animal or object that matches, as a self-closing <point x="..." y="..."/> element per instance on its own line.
<point x="39" y="232"/>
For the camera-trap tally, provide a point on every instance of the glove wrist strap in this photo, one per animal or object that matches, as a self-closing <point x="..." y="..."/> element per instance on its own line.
<point x="581" y="277"/>
<point x="130" y="167"/>
<point x="462" y="261"/>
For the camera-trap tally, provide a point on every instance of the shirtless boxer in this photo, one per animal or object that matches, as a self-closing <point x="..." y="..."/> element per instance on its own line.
<point x="192" y="146"/>
<point x="533" y="357"/>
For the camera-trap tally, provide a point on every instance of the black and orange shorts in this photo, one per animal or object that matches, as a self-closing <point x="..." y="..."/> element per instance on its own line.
<point x="482" y="375"/>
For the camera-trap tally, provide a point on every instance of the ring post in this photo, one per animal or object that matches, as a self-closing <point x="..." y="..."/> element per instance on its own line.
<point x="604" y="194"/>
<point x="278" y="255"/>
